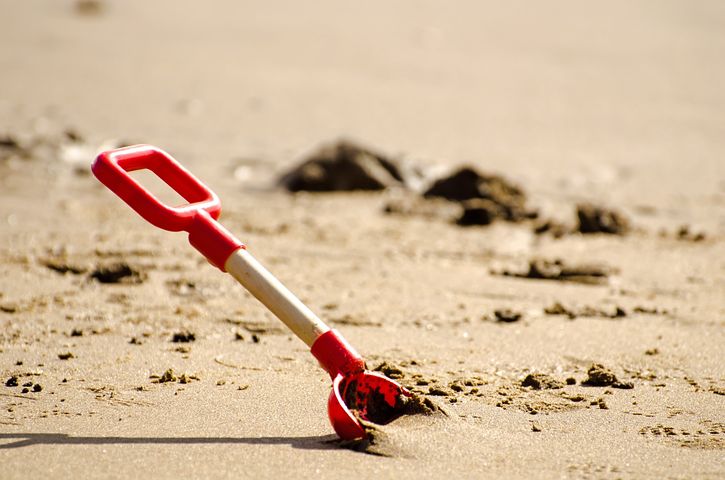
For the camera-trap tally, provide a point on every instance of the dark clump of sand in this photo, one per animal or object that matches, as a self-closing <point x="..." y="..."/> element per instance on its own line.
<point x="389" y="370"/>
<point x="480" y="211"/>
<point x="183" y="337"/>
<point x="11" y="147"/>
<point x="598" y="219"/>
<point x="600" y="376"/>
<point x="406" y="404"/>
<point x="685" y="234"/>
<point x="119" y="272"/>
<point x="343" y="166"/>
<point x="557" y="308"/>
<point x="437" y="391"/>
<point x="590" y="219"/>
<point x="8" y="142"/>
<point x="559" y="270"/>
<point x="484" y="197"/>
<point x="419" y="405"/>
<point x="379" y="411"/>
<point x="467" y="183"/>
<point x="169" y="376"/>
<point x="506" y="315"/>
<point x="541" y="381"/>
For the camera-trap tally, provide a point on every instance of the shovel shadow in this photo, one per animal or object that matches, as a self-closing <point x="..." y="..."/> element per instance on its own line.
<point x="324" y="442"/>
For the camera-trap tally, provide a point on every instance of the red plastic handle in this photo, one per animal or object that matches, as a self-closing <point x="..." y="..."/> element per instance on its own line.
<point x="112" y="168"/>
<point x="198" y="217"/>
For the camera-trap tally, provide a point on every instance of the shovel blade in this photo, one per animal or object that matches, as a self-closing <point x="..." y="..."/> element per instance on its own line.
<point x="367" y="396"/>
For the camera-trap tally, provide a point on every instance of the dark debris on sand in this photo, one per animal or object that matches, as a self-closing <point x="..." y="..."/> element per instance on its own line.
<point x="600" y="376"/>
<point x="543" y="269"/>
<point x="119" y="272"/>
<point x="484" y="197"/>
<point x="183" y="337"/>
<point x="598" y="219"/>
<point x="169" y="376"/>
<point x="343" y="166"/>
<point x="10" y="147"/>
<point x="419" y="405"/>
<point x="389" y="370"/>
<point x="615" y="312"/>
<point x="506" y="315"/>
<point x="685" y="234"/>
<point x="63" y="266"/>
<point x="541" y="381"/>
<point x="558" y="309"/>
<point x="590" y="219"/>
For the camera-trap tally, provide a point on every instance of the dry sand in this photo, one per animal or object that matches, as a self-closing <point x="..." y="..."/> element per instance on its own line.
<point x="617" y="103"/>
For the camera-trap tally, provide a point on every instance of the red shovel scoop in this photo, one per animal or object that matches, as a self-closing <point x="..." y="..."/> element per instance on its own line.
<point x="356" y="393"/>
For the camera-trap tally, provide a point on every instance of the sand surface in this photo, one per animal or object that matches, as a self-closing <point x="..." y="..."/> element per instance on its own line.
<point x="620" y="104"/>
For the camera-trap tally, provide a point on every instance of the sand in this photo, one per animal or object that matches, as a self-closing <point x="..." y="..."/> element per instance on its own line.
<point x="619" y="106"/>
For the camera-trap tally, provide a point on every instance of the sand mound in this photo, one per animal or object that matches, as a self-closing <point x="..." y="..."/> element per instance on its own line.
<point x="484" y="197"/>
<point x="343" y="166"/>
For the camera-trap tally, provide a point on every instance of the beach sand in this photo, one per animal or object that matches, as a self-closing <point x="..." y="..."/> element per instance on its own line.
<point x="618" y="104"/>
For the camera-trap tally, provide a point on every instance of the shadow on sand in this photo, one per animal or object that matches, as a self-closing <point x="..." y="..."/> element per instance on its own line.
<point x="325" y="442"/>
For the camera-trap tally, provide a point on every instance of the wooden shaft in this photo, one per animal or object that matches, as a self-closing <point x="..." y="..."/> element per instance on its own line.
<point x="275" y="296"/>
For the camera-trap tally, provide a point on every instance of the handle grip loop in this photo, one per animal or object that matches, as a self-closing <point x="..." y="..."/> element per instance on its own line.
<point x="198" y="217"/>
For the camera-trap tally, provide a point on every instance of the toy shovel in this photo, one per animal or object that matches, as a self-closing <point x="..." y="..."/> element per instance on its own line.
<point x="356" y="393"/>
